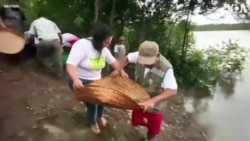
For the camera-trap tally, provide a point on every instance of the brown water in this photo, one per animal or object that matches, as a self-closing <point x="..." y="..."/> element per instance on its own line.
<point x="227" y="118"/>
<point x="227" y="115"/>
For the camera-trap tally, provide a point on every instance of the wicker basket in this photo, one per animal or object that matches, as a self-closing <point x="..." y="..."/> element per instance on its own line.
<point x="115" y="92"/>
<point x="11" y="41"/>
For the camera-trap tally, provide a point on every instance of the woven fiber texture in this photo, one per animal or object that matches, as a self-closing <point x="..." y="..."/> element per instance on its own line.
<point x="115" y="92"/>
<point x="11" y="41"/>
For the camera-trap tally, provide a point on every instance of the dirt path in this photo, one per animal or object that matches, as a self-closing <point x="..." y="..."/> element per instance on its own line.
<point x="36" y="107"/>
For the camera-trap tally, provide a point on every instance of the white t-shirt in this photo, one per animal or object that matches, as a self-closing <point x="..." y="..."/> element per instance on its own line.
<point x="44" y="29"/>
<point x="88" y="61"/>
<point x="169" y="81"/>
<point x="117" y="46"/>
<point x="67" y="37"/>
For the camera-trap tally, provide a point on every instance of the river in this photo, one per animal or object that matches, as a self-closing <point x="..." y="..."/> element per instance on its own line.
<point x="227" y="117"/>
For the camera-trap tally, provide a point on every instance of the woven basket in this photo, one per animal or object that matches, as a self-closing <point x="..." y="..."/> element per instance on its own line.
<point x="11" y="41"/>
<point x="115" y="92"/>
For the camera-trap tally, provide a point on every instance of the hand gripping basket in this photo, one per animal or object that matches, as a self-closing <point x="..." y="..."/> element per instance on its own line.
<point x="115" y="92"/>
<point x="11" y="41"/>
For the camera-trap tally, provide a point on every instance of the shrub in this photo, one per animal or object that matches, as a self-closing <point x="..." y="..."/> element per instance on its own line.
<point x="204" y="67"/>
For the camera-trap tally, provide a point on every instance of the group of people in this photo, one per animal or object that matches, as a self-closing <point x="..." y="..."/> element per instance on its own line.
<point x="45" y="35"/>
<point x="153" y="72"/>
<point x="87" y="58"/>
<point x="43" y="39"/>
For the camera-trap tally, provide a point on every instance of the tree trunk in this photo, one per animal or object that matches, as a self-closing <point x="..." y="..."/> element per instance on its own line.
<point x="96" y="3"/>
<point x="107" y="68"/>
<point x="112" y="14"/>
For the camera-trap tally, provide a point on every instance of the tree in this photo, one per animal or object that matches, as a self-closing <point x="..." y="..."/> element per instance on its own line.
<point x="210" y="6"/>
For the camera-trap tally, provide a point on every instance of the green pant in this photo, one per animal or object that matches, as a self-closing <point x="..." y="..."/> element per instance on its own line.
<point x="49" y="53"/>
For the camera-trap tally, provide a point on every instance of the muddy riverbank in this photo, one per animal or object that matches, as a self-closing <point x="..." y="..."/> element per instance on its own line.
<point x="36" y="107"/>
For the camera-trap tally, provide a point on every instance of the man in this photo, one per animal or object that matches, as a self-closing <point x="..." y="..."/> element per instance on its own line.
<point x="155" y="73"/>
<point x="120" y="49"/>
<point x="49" y="46"/>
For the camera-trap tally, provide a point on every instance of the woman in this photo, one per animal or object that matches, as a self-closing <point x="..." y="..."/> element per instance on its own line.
<point x="86" y="60"/>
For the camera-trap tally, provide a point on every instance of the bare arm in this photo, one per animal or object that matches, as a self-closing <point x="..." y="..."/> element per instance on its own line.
<point x="72" y="72"/>
<point x="166" y="94"/>
<point x="76" y="55"/>
<point x="118" y="70"/>
<point x="123" y="63"/>
<point x="170" y="89"/>
<point x="116" y="66"/>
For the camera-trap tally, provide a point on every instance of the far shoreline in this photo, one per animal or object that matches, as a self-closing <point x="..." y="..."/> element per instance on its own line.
<point x="221" y="27"/>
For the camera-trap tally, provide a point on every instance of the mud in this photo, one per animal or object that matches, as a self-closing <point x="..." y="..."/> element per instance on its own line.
<point x="34" y="106"/>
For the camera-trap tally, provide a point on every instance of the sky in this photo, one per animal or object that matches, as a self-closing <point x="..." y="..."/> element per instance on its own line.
<point x="221" y="16"/>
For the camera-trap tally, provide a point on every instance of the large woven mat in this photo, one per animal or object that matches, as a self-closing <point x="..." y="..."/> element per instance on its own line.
<point x="11" y="41"/>
<point x="116" y="92"/>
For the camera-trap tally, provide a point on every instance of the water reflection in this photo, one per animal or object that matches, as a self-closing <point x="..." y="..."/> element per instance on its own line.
<point x="227" y="86"/>
<point x="226" y="115"/>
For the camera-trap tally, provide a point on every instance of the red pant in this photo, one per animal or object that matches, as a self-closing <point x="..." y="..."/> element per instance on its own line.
<point x="154" y="121"/>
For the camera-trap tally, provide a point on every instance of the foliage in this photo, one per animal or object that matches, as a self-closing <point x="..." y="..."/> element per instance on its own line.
<point x="204" y="67"/>
<point x="210" y="6"/>
<point x="232" y="58"/>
